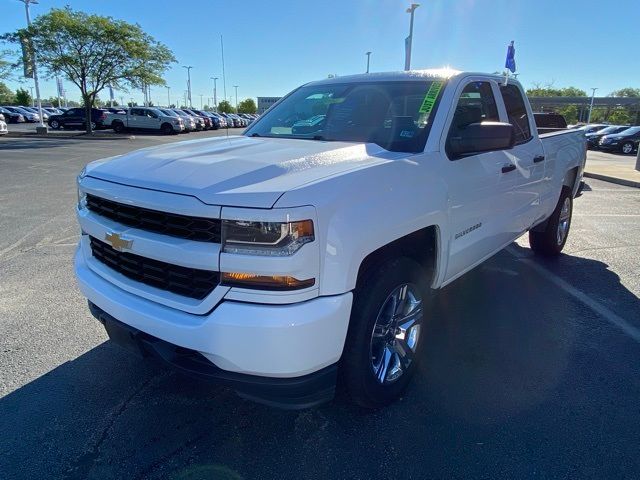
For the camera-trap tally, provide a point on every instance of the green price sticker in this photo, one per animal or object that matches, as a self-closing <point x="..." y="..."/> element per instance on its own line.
<point x="430" y="97"/>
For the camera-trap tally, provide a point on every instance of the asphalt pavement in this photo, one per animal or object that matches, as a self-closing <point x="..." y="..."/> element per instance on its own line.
<point x="531" y="367"/>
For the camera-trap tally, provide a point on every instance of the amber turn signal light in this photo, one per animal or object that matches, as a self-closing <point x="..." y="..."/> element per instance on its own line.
<point x="265" y="282"/>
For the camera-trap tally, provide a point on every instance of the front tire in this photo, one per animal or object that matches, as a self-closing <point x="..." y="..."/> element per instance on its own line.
<point x="550" y="241"/>
<point x="118" y="127"/>
<point x="627" y="148"/>
<point x="384" y="337"/>
<point x="54" y="124"/>
<point x="166" y="129"/>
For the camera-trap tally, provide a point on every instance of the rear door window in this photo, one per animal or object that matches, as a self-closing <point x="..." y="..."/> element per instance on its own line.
<point x="516" y="112"/>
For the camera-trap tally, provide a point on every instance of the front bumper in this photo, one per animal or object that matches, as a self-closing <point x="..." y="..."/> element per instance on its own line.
<point x="270" y="341"/>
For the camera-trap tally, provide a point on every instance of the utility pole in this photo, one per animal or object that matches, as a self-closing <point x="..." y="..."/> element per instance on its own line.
<point x="200" y="101"/>
<point x="409" y="40"/>
<point x="168" y="96"/>
<point x="236" y="87"/>
<point x="188" y="83"/>
<point x="33" y="100"/>
<point x="33" y="60"/>
<point x="224" y="77"/>
<point x="593" y="94"/>
<point x="215" y="93"/>
<point x="368" y="59"/>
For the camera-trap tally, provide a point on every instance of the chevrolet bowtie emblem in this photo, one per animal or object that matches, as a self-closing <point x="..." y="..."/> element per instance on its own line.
<point x="117" y="242"/>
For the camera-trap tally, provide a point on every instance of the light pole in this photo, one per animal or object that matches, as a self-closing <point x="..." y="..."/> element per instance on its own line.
<point x="593" y="94"/>
<point x="409" y="40"/>
<point x="33" y="100"/>
<point x="168" y="97"/>
<point x="188" y="82"/>
<point x="368" y="59"/>
<point x="33" y="59"/>
<point x="236" y="87"/>
<point x="215" y="93"/>
<point x="200" y="101"/>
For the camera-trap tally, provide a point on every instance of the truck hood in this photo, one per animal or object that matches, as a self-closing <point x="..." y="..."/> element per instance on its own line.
<point x="237" y="171"/>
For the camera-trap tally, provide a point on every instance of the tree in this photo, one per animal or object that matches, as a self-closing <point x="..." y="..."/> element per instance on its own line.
<point x="94" y="51"/>
<point x="7" y="97"/>
<point x="626" y="92"/>
<point x="549" y="91"/>
<point x="247" y="106"/>
<point x="23" y="98"/>
<point x="570" y="113"/>
<point x="225" y="107"/>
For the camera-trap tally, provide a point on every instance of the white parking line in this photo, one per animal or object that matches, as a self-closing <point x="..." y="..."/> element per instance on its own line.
<point x="582" y="297"/>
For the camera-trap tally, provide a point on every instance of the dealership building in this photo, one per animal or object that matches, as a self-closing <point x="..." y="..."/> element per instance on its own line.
<point x="265" y="102"/>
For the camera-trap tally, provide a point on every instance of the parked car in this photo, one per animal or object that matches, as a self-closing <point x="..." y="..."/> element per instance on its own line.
<point x="623" y="142"/>
<point x="12" y="117"/>
<point x="3" y="126"/>
<point x="269" y="263"/>
<point x="52" y="111"/>
<point x="592" y="128"/>
<point x="45" y="114"/>
<point x="190" y="122"/>
<point x="223" y="120"/>
<point x="212" y="121"/>
<point x="76" y="118"/>
<point x="205" y="119"/>
<point x="28" y="116"/>
<point x="144" y="118"/>
<point x="201" y="123"/>
<point x="593" y="139"/>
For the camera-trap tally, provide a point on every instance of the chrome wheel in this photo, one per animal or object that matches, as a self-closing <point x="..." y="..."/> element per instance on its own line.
<point x="396" y="333"/>
<point x="563" y="221"/>
<point x="93" y="125"/>
<point x="627" y="148"/>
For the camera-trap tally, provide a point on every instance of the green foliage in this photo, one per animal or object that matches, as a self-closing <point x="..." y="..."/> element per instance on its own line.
<point x="570" y="113"/>
<point x="620" y="116"/>
<point x="7" y="97"/>
<point x="626" y="92"/>
<point x="225" y="107"/>
<point x="247" y="106"/>
<point x="23" y="98"/>
<point x="94" y="51"/>
<point x="549" y="91"/>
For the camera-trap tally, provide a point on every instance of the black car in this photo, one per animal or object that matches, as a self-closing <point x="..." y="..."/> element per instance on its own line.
<point x="593" y="139"/>
<point x="625" y="141"/>
<point x="76" y="118"/>
<point x="12" y="117"/>
<point x="215" y="121"/>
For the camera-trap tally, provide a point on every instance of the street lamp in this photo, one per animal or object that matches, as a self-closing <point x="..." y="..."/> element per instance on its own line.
<point x="409" y="40"/>
<point x="33" y="59"/>
<point x="593" y="94"/>
<point x="200" y="101"/>
<point x="236" y="87"/>
<point x="189" y="67"/>
<point x="33" y="100"/>
<point x="215" y="93"/>
<point x="168" y="96"/>
<point x="368" y="58"/>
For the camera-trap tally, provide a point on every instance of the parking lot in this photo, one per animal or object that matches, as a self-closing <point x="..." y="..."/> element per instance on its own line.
<point x="531" y="368"/>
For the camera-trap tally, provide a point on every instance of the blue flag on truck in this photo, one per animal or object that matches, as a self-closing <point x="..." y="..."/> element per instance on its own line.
<point x="510" y="62"/>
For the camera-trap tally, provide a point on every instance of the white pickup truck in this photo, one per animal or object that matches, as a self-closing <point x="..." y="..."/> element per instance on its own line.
<point x="144" y="118"/>
<point x="302" y="254"/>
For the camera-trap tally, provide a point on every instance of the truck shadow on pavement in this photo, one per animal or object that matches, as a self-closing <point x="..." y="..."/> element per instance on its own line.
<point x="513" y="373"/>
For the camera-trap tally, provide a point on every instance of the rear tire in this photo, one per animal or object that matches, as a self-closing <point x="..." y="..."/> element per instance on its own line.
<point x="384" y="338"/>
<point x="550" y="241"/>
<point x="627" y="148"/>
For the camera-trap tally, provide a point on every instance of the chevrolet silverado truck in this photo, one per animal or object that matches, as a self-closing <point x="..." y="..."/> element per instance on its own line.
<point x="144" y="118"/>
<point x="302" y="254"/>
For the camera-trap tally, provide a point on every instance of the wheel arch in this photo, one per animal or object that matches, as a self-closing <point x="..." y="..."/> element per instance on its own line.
<point x="420" y="245"/>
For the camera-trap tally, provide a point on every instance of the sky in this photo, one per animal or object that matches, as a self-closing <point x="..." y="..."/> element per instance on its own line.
<point x="273" y="46"/>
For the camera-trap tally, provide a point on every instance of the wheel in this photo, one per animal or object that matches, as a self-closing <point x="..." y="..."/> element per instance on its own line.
<point x="627" y="147"/>
<point x="550" y="241"/>
<point x="166" y="129"/>
<point x="93" y="126"/>
<point x="384" y="336"/>
<point x="55" y="124"/>
<point x="118" y="127"/>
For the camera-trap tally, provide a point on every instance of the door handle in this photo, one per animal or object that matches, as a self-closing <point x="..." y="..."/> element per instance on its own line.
<point x="538" y="159"/>
<point x="508" y="168"/>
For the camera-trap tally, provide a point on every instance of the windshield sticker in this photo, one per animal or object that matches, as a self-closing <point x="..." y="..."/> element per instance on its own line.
<point x="430" y="97"/>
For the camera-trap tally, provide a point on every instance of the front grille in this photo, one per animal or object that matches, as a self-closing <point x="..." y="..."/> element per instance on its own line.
<point x="192" y="228"/>
<point x="190" y="282"/>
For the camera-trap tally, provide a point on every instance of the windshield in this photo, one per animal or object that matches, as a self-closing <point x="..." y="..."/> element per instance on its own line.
<point x="393" y="115"/>
<point x="630" y="131"/>
<point x="611" y="130"/>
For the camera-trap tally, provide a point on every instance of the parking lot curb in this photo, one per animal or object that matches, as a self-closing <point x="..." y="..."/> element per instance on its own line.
<point x="608" y="178"/>
<point x="70" y="136"/>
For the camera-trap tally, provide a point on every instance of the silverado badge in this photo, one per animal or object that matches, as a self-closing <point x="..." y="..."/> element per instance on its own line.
<point x="117" y="242"/>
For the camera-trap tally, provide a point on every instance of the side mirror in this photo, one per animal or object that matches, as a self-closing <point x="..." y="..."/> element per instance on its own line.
<point x="480" y="137"/>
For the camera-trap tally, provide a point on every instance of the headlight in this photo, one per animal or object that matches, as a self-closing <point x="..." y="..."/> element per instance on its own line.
<point x="82" y="199"/>
<point x="265" y="238"/>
